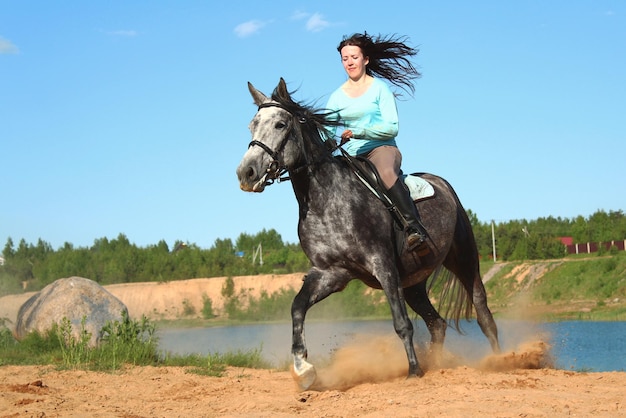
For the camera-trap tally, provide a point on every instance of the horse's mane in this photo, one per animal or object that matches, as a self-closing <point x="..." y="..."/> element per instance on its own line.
<point x="318" y="122"/>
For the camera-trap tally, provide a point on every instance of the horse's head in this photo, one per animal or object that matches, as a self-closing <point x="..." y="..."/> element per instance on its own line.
<point x="273" y="149"/>
<point x="286" y="136"/>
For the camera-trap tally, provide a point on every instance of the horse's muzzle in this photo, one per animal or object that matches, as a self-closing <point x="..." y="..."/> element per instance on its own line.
<point x="249" y="179"/>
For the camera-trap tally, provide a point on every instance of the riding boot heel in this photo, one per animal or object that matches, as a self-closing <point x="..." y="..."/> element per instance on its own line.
<point x="416" y="234"/>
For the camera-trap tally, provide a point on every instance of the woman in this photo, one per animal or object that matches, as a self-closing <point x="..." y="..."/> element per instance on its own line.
<point x="367" y="113"/>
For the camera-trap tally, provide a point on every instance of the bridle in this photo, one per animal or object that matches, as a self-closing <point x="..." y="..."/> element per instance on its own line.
<point x="277" y="168"/>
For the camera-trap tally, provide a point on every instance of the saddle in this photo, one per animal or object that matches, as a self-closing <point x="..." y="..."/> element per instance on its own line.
<point x="419" y="188"/>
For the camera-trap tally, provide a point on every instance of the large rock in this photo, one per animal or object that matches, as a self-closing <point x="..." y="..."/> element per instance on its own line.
<point x="73" y="298"/>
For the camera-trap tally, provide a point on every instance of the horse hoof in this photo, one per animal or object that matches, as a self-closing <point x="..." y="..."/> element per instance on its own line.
<point x="304" y="374"/>
<point x="418" y="372"/>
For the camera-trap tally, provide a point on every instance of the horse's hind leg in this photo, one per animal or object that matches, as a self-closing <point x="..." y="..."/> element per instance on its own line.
<point x="462" y="261"/>
<point x="483" y="314"/>
<point x="417" y="298"/>
<point x="469" y="275"/>
<point x="401" y="322"/>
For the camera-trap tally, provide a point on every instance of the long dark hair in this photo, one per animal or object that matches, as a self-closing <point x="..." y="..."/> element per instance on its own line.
<point x="389" y="58"/>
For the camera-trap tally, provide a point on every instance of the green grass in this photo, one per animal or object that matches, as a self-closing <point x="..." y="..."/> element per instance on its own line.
<point x="598" y="279"/>
<point x="123" y="343"/>
<point x="214" y="364"/>
<point x="586" y="288"/>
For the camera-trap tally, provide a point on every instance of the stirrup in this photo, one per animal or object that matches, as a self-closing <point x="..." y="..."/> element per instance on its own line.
<point x="416" y="242"/>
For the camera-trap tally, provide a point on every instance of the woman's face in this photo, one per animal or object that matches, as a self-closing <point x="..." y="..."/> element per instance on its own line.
<point x="353" y="61"/>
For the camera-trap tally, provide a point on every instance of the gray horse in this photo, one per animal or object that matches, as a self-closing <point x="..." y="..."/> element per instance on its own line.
<point x="347" y="232"/>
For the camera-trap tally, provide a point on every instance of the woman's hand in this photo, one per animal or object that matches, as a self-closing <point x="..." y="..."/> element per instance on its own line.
<point x="345" y="136"/>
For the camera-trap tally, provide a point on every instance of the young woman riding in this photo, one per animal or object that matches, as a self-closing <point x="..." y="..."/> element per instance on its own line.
<point x="366" y="110"/>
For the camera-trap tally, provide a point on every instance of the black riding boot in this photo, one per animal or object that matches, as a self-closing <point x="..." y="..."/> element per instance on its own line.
<point x="416" y="238"/>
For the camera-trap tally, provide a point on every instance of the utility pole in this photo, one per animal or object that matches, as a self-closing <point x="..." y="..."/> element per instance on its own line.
<point x="493" y="240"/>
<point x="259" y="252"/>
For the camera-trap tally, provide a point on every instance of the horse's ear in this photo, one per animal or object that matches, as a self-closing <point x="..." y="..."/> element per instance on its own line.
<point x="259" y="98"/>
<point x="282" y="88"/>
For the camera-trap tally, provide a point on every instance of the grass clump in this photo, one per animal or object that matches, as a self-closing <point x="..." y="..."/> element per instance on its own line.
<point x="207" y="307"/>
<point x="34" y="349"/>
<point x="127" y="342"/>
<point x="214" y="364"/>
<point x="121" y="343"/>
<point x="74" y="349"/>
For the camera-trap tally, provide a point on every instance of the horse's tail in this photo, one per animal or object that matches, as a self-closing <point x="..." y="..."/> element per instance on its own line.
<point x="456" y="297"/>
<point x="454" y="302"/>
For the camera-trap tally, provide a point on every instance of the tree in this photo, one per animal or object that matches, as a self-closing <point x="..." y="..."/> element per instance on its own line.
<point x="8" y="252"/>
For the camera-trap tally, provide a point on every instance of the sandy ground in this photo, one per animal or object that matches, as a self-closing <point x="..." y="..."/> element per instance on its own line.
<point x="174" y="392"/>
<point x="365" y="379"/>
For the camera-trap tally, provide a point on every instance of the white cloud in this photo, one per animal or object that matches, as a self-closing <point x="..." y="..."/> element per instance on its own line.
<point x="317" y="23"/>
<point x="299" y="15"/>
<point x="7" y="47"/>
<point x="249" y="28"/>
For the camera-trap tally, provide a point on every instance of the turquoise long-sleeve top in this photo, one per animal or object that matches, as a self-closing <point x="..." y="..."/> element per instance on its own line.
<point x="372" y="117"/>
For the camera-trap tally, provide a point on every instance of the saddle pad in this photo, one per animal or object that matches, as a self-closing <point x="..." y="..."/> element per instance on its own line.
<point x="418" y="187"/>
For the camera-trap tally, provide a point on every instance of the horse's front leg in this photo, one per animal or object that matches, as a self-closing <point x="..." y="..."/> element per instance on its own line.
<point x="317" y="286"/>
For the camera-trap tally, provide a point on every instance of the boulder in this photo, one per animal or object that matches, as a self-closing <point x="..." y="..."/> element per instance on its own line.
<point x="74" y="298"/>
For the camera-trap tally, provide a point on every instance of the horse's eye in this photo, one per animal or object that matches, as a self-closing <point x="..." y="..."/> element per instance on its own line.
<point x="280" y="125"/>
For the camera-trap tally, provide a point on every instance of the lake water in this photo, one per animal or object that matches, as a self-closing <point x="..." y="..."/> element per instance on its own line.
<point x="576" y="345"/>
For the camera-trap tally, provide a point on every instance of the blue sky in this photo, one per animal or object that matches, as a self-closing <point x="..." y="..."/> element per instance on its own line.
<point x="131" y="117"/>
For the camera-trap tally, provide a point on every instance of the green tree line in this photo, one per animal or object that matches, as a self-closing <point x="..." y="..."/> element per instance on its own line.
<point x="118" y="260"/>
<point x="540" y="239"/>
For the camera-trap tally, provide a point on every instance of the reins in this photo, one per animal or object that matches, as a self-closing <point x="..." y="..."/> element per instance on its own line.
<point x="276" y="170"/>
